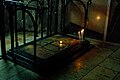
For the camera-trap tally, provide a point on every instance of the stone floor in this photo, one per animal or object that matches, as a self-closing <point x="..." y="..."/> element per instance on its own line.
<point x="100" y="63"/>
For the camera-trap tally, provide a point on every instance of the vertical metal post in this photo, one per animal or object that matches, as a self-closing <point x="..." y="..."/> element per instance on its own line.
<point x="36" y="16"/>
<point x="48" y="26"/>
<point x="16" y="34"/>
<point x="86" y="8"/>
<point x="85" y="18"/>
<point x="35" y="35"/>
<point x="2" y="30"/>
<point x="56" y="16"/>
<point x="63" y="14"/>
<point x="23" y="21"/>
<point x="42" y="21"/>
<point x="50" y="17"/>
<point x="62" y="9"/>
<point x="10" y="8"/>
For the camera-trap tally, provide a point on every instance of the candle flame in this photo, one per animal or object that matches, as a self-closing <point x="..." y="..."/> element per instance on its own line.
<point x="82" y="30"/>
<point x="61" y="42"/>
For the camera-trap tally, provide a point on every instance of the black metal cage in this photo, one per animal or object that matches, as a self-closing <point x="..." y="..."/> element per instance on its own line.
<point x="49" y="43"/>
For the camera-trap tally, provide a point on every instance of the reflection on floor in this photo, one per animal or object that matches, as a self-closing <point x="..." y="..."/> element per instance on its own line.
<point x="100" y="63"/>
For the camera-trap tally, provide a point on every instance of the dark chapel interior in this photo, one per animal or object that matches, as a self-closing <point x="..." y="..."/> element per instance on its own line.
<point x="59" y="40"/>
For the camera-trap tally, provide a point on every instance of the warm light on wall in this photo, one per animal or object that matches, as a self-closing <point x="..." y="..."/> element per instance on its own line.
<point x="98" y="17"/>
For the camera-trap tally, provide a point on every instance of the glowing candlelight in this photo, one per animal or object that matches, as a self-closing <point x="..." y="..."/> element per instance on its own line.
<point x="61" y="43"/>
<point x="98" y="17"/>
<point x="82" y="34"/>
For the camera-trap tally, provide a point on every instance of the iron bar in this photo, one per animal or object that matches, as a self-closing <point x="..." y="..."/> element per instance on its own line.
<point x="24" y="26"/>
<point x="35" y="36"/>
<point x="2" y="30"/>
<point x="48" y="25"/>
<point x="50" y="17"/>
<point x="10" y="9"/>
<point x="16" y="34"/>
<point x="36" y="17"/>
<point x="63" y="15"/>
<point x="56" y="16"/>
<point x="41" y="14"/>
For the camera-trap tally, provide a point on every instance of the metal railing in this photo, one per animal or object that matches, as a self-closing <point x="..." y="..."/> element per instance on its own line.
<point x="50" y="16"/>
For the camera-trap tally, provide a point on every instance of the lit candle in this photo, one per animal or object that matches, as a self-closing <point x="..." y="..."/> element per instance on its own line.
<point x="79" y="35"/>
<point x="61" y="43"/>
<point x="82" y="34"/>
